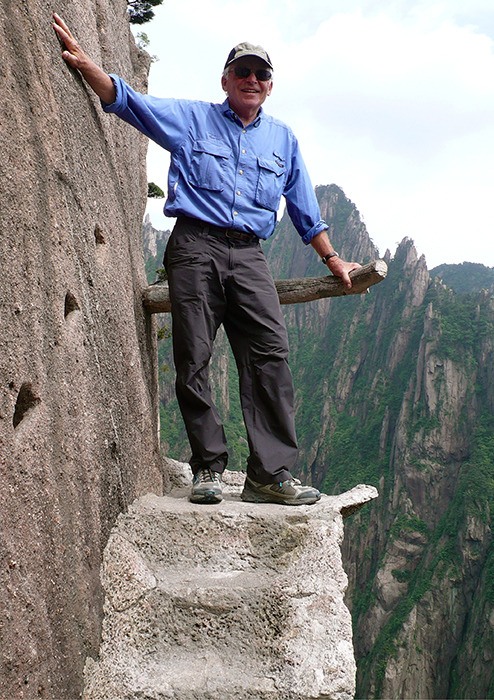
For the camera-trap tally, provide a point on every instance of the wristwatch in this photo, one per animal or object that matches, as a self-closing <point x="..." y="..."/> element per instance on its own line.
<point x="327" y="257"/>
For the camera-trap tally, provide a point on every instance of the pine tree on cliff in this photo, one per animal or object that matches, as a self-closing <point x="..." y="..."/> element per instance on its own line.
<point x="140" y="10"/>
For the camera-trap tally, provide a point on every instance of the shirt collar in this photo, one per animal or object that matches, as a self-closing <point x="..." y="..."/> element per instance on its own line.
<point x="228" y="112"/>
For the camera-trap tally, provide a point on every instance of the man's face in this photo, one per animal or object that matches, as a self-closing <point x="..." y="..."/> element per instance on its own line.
<point x="246" y="95"/>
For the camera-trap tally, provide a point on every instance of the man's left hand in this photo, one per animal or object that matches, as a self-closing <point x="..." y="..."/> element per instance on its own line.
<point x="342" y="269"/>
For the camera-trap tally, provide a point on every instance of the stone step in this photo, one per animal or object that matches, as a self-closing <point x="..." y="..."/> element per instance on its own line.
<point x="233" y="600"/>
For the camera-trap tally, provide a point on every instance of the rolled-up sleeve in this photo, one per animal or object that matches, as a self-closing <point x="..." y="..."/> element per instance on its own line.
<point x="120" y="102"/>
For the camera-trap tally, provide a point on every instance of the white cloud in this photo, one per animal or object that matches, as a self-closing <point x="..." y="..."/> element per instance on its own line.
<point x="393" y="101"/>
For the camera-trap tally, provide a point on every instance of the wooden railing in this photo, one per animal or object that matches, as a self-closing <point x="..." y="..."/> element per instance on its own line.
<point x="156" y="297"/>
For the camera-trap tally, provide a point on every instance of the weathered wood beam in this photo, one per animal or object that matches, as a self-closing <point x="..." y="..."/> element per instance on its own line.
<point x="156" y="298"/>
<point x="297" y="291"/>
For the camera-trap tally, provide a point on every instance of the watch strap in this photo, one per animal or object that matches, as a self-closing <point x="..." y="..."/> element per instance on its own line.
<point x="327" y="257"/>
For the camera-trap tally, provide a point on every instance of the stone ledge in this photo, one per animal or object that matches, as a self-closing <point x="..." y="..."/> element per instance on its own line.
<point x="347" y="503"/>
<point x="234" y="600"/>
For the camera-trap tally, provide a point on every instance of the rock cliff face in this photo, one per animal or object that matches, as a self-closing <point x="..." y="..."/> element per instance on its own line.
<point x="433" y="546"/>
<point x="78" y="404"/>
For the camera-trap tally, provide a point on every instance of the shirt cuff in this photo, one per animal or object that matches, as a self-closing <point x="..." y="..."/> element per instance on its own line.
<point x="120" y="101"/>
<point x="314" y="231"/>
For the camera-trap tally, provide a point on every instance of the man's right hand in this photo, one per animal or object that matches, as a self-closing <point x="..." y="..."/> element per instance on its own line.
<point x="72" y="54"/>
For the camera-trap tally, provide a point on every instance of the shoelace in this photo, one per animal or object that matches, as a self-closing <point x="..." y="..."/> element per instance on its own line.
<point x="291" y="482"/>
<point x="206" y="475"/>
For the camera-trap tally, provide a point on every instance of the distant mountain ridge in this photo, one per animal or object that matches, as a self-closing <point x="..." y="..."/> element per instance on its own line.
<point x="465" y="277"/>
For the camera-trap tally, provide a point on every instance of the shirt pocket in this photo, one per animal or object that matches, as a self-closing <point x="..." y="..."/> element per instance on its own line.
<point x="270" y="183"/>
<point x="208" y="165"/>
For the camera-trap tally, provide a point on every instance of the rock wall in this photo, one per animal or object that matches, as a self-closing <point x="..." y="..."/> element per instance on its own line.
<point x="78" y="403"/>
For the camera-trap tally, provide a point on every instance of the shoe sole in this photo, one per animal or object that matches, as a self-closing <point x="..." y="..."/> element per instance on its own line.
<point x="207" y="497"/>
<point x="255" y="497"/>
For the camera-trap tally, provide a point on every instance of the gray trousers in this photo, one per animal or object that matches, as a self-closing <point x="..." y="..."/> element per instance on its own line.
<point x="215" y="279"/>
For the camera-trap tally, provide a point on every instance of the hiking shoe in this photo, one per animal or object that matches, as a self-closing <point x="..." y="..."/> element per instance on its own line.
<point x="207" y="487"/>
<point x="290" y="493"/>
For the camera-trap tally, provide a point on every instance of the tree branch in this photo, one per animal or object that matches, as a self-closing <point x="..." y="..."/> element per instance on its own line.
<point x="156" y="298"/>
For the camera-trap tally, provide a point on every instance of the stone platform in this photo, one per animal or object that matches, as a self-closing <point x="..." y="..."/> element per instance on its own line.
<point x="228" y="601"/>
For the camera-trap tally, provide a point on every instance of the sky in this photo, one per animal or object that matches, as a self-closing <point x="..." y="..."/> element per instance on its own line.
<point x="391" y="100"/>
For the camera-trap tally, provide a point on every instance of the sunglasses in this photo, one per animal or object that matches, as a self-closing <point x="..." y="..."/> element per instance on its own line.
<point x="261" y="74"/>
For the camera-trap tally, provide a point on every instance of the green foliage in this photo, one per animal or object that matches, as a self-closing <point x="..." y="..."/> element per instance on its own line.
<point x="474" y="496"/>
<point x="489" y="579"/>
<point x="458" y="328"/>
<point x="477" y="478"/>
<point x="161" y="275"/>
<point x="362" y="601"/>
<point x="154" y="191"/>
<point x="140" y="11"/>
<point x="410" y="523"/>
<point x="423" y="424"/>
<point x="343" y="210"/>
<point x="354" y="453"/>
<point x="142" y="42"/>
<point x="400" y="575"/>
<point x="164" y="332"/>
<point x="462" y="321"/>
<point x="466" y="277"/>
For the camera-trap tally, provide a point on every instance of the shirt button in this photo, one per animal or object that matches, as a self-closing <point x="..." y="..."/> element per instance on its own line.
<point x="238" y="192"/>
<point x="243" y="150"/>
<point x="240" y="172"/>
<point x="235" y="213"/>
<point x="244" y="131"/>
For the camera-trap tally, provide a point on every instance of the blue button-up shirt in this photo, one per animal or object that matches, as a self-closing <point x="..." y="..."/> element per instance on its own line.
<point x="221" y="171"/>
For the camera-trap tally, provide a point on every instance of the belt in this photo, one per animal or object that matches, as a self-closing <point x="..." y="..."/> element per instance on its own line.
<point x="229" y="233"/>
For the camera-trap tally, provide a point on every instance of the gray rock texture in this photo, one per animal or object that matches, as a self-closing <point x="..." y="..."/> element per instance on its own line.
<point x="234" y="600"/>
<point x="78" y="404"/>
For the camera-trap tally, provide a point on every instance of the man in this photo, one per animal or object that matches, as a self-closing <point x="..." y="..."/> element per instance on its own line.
<point x="230" y="165"/>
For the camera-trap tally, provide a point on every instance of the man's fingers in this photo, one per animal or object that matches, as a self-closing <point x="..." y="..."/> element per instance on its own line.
<point x="60" y="23"/>
<point x="63" y="32"/>
<point x="67" y="42"/>
<point x="60" y="34"/>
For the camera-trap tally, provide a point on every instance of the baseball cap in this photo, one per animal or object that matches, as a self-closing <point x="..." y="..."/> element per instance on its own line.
<point x="246" y="49"/>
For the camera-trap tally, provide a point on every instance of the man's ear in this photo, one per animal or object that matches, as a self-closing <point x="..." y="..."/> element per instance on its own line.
<point x="270" y="88"/>
<point x="223" y="83"/>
